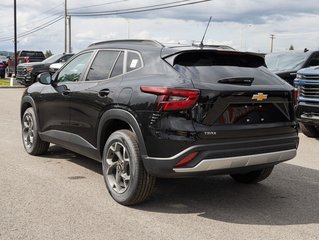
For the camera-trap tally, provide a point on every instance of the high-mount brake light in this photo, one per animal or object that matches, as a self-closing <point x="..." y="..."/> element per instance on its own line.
<point x="170" y="99"/>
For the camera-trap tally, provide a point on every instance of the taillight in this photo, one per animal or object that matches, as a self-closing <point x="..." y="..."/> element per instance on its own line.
<point x="186" y="159"/>
<point x="170" y="99"/>
<point x="27" y="59"/>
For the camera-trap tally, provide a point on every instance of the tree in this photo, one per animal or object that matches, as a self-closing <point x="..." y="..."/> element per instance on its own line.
<point x="291" y="48"/>
<point x="48" y="53"/>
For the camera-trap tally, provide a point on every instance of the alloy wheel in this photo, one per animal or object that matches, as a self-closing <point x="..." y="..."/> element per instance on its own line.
<point x="118" y="167"/>
<point x="28" y="130"/>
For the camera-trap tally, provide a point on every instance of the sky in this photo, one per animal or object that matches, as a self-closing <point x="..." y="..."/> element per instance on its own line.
<point x="245" y="25"/>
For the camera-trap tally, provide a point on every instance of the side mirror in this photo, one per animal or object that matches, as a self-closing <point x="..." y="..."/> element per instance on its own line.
<point x="44" y="78"/>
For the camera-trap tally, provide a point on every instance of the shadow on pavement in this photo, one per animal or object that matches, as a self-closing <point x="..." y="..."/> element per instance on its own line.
<point x="57" y="152"/>
<point x="288" y="197"/>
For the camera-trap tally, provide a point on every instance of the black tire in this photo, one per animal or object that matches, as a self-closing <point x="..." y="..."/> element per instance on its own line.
<point x="124" y="174"/>
<point x="309" y="130"/>
<point x="254" y="176"/>
<point x="30" y="136"/>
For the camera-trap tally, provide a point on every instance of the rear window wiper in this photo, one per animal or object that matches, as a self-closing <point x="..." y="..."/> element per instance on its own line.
<point x="247" y="81"/>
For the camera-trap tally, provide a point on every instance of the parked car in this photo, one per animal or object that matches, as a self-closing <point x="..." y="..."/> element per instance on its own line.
<point x="3" y="65"/>
<point x="145" y="111"/>
<point x="24" y="56"/>
<point x="286" y="64"/>
<point x="55" y="67"/>
<point x="307" y="83"/>
<point x="27" y="72"/>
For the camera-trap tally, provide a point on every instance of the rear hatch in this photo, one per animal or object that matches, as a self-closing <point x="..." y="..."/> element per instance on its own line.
<point x="238" y="94"/>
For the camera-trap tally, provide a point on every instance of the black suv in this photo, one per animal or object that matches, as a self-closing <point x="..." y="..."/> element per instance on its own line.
<point x="145" y="111"/>
<point x="27" y="72"/>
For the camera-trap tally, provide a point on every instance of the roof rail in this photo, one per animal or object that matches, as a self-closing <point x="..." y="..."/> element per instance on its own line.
<point x="130" y="41"/>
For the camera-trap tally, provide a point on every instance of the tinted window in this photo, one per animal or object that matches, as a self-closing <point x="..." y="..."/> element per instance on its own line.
<point x="314" y="60"/>
<point x="31" y="54"/>
<point x="65" y="58"/>
<point x="102" y="65"/>
<point x="213" y="67"/>
<point x="118" y="67"/>
<point x="133" y="61"/>
<point x="75" y="69"/>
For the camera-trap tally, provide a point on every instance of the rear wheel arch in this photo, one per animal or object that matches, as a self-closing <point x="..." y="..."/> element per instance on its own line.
<point x="116" y="119"/>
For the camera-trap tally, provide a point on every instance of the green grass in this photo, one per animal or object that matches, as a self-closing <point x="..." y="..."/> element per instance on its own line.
<point x="4" y="82"/>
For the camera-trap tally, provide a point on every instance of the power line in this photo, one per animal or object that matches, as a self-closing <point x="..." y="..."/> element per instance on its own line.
<point x="139" y="9"/>
<point x="104" y="13"/>
<point x="30" y="23"/>
<point x="36" y="29"/>
<point x="97" y="5"/>
<point x="36" y="19"/>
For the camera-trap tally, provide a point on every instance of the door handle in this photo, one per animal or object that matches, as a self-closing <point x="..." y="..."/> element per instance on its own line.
<point x="103" y="93"/>
<point x="66" y="93"/>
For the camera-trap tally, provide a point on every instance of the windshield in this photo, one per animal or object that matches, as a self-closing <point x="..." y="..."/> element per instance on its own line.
<point x="52" y="59"/>
<point x="286" y="61"/>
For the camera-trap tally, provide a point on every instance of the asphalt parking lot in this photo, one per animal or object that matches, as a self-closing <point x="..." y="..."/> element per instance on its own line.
<point x="62" y="195"/>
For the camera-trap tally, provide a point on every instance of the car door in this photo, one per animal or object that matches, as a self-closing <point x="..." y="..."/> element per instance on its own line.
<point x="97" y="92"/>
<point x="54" y="103"/>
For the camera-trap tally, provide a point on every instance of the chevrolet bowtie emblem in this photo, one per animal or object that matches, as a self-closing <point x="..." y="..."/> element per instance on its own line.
<point x="259" y="97"/>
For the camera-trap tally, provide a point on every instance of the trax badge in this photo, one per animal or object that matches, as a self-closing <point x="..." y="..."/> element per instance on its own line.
<point x="259" y="97"/>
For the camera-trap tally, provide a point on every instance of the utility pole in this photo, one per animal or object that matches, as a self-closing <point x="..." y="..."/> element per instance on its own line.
<point x="69" y="50"/>
<point x="65" y="25"/>
<point x="272" y="37"/>
<point x="15" y="37"/>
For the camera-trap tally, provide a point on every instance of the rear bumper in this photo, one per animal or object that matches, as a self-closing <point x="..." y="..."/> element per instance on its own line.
<point x="240" y="161"/>
<point x="228" y="157"/>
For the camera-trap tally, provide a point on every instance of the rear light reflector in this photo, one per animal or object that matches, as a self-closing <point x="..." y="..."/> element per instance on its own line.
<point x="170" y="99"/>
<point x="186" y="159"/>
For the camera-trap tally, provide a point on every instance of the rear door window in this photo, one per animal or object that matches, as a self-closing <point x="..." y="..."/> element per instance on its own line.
<point x="118" y="67"/>
<point x="102" y="65"/>
<point x="31" y="54"/>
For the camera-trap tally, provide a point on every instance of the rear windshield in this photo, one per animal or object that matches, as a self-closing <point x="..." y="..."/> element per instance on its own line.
<point x="213" y="66"/>
<point x="31" y="54"/>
